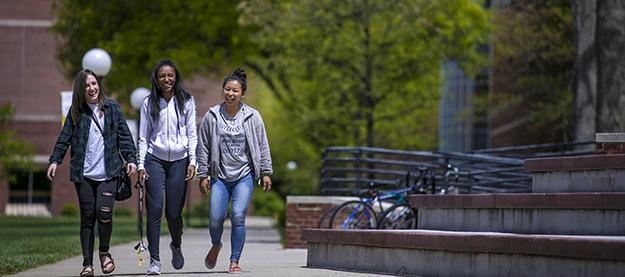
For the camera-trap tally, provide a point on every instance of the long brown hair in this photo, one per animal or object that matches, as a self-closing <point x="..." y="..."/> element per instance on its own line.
<point x="79" y="105"/>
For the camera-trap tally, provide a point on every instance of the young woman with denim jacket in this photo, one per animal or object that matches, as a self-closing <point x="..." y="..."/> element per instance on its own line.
<point x="232" y="152"/>
<point x="97" y="133"/>
<point x="167" y="143"/>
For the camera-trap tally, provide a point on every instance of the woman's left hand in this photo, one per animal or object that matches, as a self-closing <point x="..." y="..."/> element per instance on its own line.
<point x="190" y="172"/>
<point x="266" y="183"/>
<point x="131" y="168"/>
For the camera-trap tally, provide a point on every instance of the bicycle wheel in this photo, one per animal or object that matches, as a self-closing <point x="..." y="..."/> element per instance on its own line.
<point x="354" y="215"/>
<point x="400" y="216"/>
<point x="324" y="221"/>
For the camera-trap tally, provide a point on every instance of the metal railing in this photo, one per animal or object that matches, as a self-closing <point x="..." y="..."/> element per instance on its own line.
<point x="351" y="170"/>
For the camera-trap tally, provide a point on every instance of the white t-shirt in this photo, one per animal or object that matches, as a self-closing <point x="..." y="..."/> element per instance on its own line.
<point x="95" y="168"/>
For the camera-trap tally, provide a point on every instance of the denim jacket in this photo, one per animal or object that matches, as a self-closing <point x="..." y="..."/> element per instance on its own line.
<point x="117" y="140"/>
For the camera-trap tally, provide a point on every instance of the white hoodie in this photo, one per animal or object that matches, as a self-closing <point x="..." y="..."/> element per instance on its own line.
<point x="172" y="137"/>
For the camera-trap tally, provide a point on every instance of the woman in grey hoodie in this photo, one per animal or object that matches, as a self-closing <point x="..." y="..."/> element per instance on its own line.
<point x="232" y="152"/>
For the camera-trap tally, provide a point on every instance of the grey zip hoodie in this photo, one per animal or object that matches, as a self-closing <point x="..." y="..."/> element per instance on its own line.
<point x="208" y="142"/>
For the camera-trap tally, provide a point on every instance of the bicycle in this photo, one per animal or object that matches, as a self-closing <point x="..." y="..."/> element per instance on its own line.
<point x="360" y="214"/>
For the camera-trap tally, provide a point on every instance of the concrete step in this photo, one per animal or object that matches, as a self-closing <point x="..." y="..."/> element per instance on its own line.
<point x="589" y="173"/>
<point x="524" y="213"/>
<point x="445" y="253"/>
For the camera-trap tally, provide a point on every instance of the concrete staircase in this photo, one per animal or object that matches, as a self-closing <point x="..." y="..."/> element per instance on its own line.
<point x="572" y="225"/>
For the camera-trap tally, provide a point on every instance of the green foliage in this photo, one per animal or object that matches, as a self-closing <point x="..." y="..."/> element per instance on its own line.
<point x="29" y="242"/>
<point x="201" y="208"/>
<point x="267" y="203"/>
<point x="69" y="209"/>
<point x="286" y="145"/>
<point x="198" y="35"/>
<point x="333" y="72"/>
<point x="118" y="211"/>
<point x="534" y="57"/>
<point x="15" y="154"/>
<point x="353" y="72"/>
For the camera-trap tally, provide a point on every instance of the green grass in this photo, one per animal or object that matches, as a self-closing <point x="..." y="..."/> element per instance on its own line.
<point x="29" y="242"/>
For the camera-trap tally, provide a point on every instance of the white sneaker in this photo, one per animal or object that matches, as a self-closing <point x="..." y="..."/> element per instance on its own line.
<point x="155" y="267"/>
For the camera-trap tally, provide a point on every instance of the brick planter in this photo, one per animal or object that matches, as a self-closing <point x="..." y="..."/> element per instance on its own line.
<point x="304" y="212"/>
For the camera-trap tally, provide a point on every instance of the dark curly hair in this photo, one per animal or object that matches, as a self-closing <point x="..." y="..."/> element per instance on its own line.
<point x="238" y="75"/>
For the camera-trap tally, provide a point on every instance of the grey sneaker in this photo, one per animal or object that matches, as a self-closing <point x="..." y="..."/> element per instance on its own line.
<point x="177" y="260"/>
<point x="155" y="267"/>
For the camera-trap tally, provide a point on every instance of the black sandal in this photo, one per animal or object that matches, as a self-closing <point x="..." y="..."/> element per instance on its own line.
<point x="106" y="261"/>
<point x="87" y="271"/>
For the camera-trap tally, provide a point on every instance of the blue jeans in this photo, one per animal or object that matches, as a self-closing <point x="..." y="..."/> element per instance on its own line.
<point x="221" y="192"/>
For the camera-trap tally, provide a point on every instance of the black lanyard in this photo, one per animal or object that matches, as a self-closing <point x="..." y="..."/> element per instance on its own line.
<point x="97" y="123"/>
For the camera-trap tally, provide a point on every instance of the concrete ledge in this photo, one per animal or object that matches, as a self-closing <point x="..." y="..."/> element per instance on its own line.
<point x="573" y="163"/>
<point x="333" y="200"/>
<point x="418" y="262"/>
<point x="579" y="247"/>
<point x="606" y="180"/>
<point x="610" y="137"/>
<point x="602" y="201"/>
<point x="558" y="214"/>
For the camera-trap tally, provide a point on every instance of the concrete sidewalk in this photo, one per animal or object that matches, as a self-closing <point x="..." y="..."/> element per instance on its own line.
<point x="262" y="256"/>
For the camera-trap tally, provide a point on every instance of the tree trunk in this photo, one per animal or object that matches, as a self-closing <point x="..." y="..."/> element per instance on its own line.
<point x="611" y="71"/>
<point x="584" y="20"/>
<point x="599" y="67"/>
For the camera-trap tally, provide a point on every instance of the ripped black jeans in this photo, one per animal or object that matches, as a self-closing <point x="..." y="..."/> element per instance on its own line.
<point x="96" y="199"/>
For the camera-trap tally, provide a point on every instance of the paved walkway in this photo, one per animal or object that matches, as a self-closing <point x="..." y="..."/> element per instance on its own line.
<point x="262" y="256"/>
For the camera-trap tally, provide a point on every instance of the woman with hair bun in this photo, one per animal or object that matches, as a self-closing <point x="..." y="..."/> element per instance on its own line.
<point x="232" y="152"/>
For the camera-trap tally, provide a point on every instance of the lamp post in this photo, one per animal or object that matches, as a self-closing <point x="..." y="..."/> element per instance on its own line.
<point x="98" y="60"/>
<point x="137" y="96"/>
<point x="291" y="165"/>
<point x="136" y="99"/>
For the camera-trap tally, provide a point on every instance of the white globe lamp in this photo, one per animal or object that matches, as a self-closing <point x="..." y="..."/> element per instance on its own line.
<point x="291" y="165"/>
<point x="97" y="60"/>
<point x="137" y="96"/>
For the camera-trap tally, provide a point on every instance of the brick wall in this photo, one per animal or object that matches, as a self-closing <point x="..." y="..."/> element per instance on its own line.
<point x="4" y="194"/>
<point x="304" y="212"/>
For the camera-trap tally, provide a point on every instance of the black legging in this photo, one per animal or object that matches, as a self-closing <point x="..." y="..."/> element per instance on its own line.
<point x="96" y="199"/>
<point x="167" y="177"/>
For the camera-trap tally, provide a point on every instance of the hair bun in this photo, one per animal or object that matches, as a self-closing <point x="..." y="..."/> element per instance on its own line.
<point x="239" y="72"/>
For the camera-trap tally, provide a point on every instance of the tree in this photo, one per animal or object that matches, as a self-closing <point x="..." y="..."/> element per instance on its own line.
<point x="200" y="36"/>
<point x="15" y="154"/>
<point x="352" y="72"/>
<point x="599" y="67"/>
<point x="362" y="72"/>
<point x="533" y="61"/>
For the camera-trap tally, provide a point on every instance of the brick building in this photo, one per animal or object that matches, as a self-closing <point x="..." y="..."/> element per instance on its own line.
<point x="33" y="81"/>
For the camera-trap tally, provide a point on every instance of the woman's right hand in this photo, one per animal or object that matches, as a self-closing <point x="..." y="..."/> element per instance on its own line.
<point x="51" y="171"/>
<point x="143" y="175"/>
<point x="204" y="186"/>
